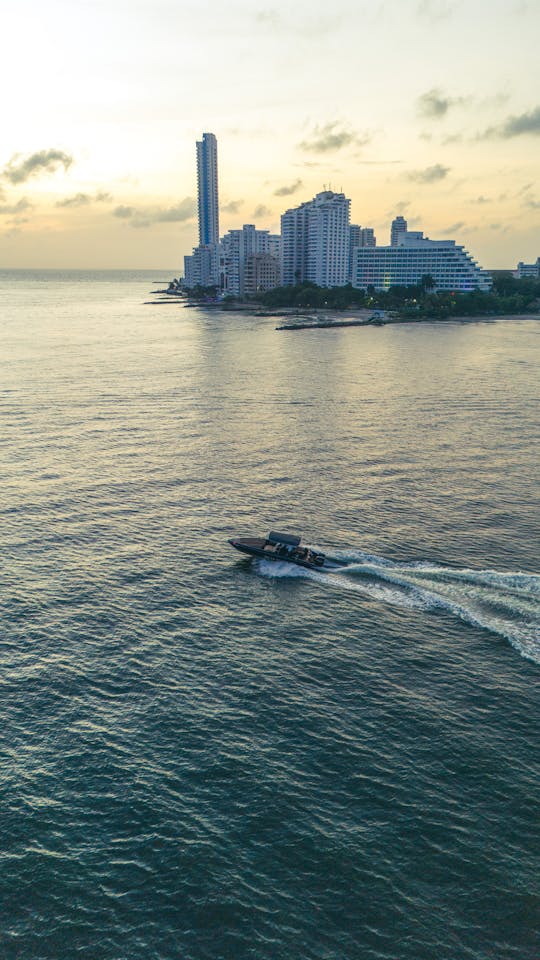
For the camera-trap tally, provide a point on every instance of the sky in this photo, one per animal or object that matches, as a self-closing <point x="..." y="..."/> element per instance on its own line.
<point x="425" y="108"/>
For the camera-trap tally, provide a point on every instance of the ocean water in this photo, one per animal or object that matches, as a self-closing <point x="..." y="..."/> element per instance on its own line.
<point x="206" y="757"/>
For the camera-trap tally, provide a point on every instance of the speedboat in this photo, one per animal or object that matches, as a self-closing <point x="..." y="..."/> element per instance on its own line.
<point x="282" y="546"/>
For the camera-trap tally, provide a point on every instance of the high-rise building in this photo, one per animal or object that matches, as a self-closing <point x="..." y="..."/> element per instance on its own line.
<point x="236" y="247"/>
<point x="316" y="242"/>
<point x="367" y="237"/>
<point x="207" y="190"/>
<point x="294" y="245"/>
<point x="202" y="267"/>
<point x="274" y="245"/>
<point x="399" y="227"/>
<point x="414" y="257"/>
<point x="362" y="236"/>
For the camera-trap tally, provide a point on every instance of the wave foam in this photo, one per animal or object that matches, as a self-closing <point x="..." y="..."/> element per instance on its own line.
<point x="506" y="603"/>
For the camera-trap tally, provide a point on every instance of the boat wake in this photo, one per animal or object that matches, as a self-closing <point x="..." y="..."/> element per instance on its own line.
<point x="505" y="603"/>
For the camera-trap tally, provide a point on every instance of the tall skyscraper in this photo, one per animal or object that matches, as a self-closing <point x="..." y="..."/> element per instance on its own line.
<point x="207" y="189"/>
<point x="202" y="267"/>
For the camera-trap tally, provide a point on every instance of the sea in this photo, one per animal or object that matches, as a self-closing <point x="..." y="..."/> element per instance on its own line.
<point x="208" y="757"/>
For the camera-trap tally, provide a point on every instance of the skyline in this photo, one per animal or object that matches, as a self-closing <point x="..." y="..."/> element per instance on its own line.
<point x="425" y="108"/>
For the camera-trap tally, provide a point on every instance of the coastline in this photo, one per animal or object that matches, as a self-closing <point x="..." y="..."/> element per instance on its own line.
<point x="320" y="318"/>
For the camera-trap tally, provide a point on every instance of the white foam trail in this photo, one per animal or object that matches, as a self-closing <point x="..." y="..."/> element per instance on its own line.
<point x="506" y="603"/>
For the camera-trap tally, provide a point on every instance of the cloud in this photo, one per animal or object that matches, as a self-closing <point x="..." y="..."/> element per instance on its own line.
<point x="268" y="18"/>
<point x="124" y="212"/>
<point x="185" y="210"/>
<point x="434" y="104"/>
<point x="399" y="207"/>
<point x="233" y="206"/>
<point x="261" y="211"/>
<point x="143" y="217"/>
<point x="455" y="227"/>
<point x="83" y="199"/>
<point x="429" y="174"/>
<point x="533" y="204"/>
<point x="333" y="137"/>
<point x="44" y="161"/>
<point x="516" y="126"/>
<point x="288" y="189"/>
<point x="15" y="208"/>
<point x="481" y="199"/>
<point x="436" y="9"/>
<point x="378" y="163"/>
<point x="523" y="123"/>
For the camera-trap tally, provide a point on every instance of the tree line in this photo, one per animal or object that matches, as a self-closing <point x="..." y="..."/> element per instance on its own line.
<point x="508" y="296"/>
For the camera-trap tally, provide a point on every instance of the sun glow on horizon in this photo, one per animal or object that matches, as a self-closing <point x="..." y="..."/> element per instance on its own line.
<point x="395" y="103"/>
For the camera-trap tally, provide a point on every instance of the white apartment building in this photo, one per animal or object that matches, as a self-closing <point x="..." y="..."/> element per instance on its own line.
<point x="398" y="228"/>
<point x="315" y="241"/>
<point x="234" y="250"/>
<point x="413" y="257"/>
<point x="274" y="245"/>
<point x="361" y="236"/>
<point x="530" y="271"/>
<point x="294" y="245"/>
<point x="201" y="268"/>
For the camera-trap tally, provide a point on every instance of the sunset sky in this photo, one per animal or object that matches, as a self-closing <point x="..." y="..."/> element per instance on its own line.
<point x="429" y="108"/>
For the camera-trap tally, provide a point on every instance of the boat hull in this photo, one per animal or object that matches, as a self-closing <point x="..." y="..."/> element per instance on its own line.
<point x="255" y="548"/>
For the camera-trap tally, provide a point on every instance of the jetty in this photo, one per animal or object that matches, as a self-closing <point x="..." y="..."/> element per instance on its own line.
<point x="320" y="323"/>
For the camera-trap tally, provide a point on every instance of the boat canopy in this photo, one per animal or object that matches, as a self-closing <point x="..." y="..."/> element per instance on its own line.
<point x="284" y="538"/>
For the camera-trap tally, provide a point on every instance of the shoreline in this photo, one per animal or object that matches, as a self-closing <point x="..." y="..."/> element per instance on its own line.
<point x="319" y="318"/>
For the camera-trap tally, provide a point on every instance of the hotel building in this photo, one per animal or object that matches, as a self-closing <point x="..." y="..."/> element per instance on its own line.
<point x="413" y="257"/>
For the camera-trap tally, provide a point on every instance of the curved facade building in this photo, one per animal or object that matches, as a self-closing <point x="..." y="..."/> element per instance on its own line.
<point x="413" y="257"/>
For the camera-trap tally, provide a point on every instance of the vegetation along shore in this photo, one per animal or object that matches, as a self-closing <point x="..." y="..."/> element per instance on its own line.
<point x="509" y="297"/>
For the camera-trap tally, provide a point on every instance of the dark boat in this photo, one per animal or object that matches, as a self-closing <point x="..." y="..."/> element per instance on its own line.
<point x="283" y="546"/>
